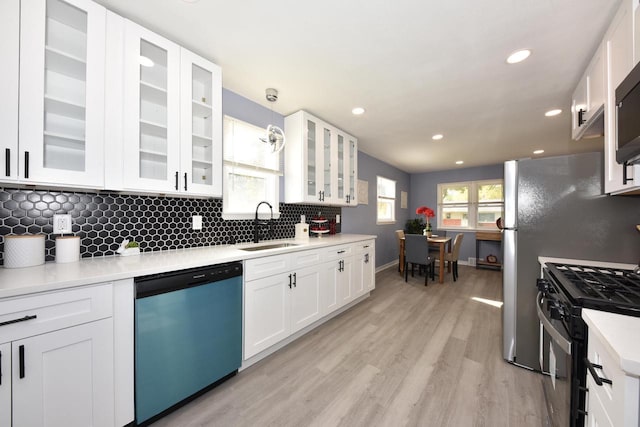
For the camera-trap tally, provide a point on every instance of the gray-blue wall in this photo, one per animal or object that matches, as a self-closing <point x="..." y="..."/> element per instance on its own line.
<point x="424" y="192"/>
<point x="362" y="219"/>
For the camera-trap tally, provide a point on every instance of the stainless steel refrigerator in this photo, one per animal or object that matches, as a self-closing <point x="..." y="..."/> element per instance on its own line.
<point x="555" y="207"/>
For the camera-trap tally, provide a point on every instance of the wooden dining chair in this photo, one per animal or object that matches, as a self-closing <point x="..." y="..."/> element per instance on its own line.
<point x="452" y="257"/>
<point x="416" y="252"/>
<point x="399" y="236"/>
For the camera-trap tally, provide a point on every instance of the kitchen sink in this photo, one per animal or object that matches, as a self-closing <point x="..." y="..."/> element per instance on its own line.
<point x="272" y="246"/>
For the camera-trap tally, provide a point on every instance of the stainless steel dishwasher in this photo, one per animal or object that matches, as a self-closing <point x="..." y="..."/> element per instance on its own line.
<point x="188" y="336"/>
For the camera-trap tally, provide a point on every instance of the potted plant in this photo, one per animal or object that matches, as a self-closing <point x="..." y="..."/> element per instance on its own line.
<point x="414" y="226"/>
<point x="428" y="213"/>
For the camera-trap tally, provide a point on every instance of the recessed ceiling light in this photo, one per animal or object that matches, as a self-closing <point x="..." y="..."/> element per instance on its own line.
<point x="538" y="152"/>
<point x="518" y="56"/>
<point x="552" y="113"/>
<point x="437" y="137"/>
<point x="190" y="1"/>
<point x="358" y="111"/>
<point x="145" y="62"/>
<point x="459" y="162"/>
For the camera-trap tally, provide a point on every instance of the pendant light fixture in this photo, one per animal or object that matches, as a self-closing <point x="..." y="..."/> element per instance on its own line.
<point x="274" y="134"/>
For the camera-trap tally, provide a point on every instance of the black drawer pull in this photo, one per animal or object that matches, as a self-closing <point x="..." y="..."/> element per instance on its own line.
<point x="341" y="252"/>
<point x="0" y="368"/>
<point x="26" y="164"/>
<point x="22" y="319"/>
<point x="592" y="369"/>
<point x="21" y="356"/>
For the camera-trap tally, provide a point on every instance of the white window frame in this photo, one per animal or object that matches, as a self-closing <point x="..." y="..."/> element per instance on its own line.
<point x="232" y="167"/>
<point x="472" y="204"/>
<point x="387" y="199"/>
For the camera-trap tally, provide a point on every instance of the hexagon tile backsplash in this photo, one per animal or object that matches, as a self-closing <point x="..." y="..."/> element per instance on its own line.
<point x="157" y="223"/>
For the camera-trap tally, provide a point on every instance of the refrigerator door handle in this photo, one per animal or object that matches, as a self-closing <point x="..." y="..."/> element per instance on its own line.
<point x="509" y="309"/>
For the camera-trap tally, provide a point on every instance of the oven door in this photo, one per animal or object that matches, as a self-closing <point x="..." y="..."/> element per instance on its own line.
<point x="556" y="355"/>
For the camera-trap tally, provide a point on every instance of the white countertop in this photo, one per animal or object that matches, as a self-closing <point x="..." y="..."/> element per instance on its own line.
<point x="51" y="276"/>
<point x="604" y="264"/>
<point x="620" y="334"/>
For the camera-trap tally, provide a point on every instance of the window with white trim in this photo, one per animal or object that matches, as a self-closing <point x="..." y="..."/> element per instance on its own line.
<point x="386" y="200"/>
<point x="251" y="171"/>
<point x="474" y="205"/>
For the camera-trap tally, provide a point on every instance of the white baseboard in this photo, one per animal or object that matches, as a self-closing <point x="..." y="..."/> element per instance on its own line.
<point x="388" y="265"/>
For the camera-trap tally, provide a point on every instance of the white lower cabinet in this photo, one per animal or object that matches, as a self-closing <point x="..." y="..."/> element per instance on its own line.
<point x="57" y="359"/>
<point x="5" y="384"/>
<point x="64" y="378"/>
<point x="267" y="303"/>
<point x="286" y="293"/>
<point x="615" y="404"/>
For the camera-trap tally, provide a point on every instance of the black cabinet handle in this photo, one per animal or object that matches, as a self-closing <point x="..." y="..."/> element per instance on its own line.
<point x="581" y="119"/>
<point x="185" y="181"/>
<point x="289" y="281"/>
<point x="22" y="319"/>
<point x="342" y="251"/>
<point x="21" y="357"/>
<point x="0" y="368"/>
<point x="625" y="176"/>
<point x="176" y="180"/>
<point x="366" y="258"/>
<point x="7" y="161"/>
<point x="599" y="380"/>
<point x="319" y="196"/>
<point x="26" y="164"/>
<point x="295" y="280"/>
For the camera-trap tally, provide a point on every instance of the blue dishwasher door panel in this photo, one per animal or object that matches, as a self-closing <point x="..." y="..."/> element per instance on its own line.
<point x="185" y="341"/>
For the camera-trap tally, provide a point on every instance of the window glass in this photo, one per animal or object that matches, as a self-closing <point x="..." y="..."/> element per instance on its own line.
<point x="386" y="200"/>
<point x="470" y="205"/>
<point x="251" y="171"/>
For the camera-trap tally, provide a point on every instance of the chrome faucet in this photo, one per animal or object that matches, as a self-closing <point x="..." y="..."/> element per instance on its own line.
<point x="257" y="224"/>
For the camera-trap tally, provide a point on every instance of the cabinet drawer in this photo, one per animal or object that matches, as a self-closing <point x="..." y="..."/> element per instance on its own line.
<point x="338" y="252"/>
<point x="362" y="247"/>
<point x="305" y="258"/>
<point x="53" y="311"/>
<point x="266" y="266"/>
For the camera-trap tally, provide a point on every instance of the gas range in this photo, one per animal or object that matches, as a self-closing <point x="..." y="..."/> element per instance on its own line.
<point x="607" y="289"/>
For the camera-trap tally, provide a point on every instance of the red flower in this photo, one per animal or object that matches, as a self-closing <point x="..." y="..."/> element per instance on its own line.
<point x="426" y="211"/>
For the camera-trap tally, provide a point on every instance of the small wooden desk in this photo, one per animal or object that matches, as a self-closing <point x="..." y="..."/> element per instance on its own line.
<point x="442" y="242"/>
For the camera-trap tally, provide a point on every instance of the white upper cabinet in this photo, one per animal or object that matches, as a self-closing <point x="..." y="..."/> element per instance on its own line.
<point x="320" y="162"/>
<point x="619" y="50"/>
<point x="9" y="72"/>
<point x="201" y="125"/>
<point x="171" y="125"/>
<point x="61" y="106"/>
<point x="587" y="105"/>
<point x="151" y="158"/>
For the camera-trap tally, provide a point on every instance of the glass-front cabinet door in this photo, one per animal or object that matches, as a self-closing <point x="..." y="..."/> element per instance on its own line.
<point x="352" y="172"/>
<point x="341" y="169"/>
<point x="61" y="119"/>
<point x="313" y="191"/>
<point x="151" y="111"/>
<point x="327" y="175"/>
<point x="201" y="121"/>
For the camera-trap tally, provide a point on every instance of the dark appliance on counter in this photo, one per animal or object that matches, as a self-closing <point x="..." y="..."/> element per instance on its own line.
<point x="627" y="118"/>
<point x="562" y="294"/>
<point x="188" y="336"/>
<point x="555" y="207"/>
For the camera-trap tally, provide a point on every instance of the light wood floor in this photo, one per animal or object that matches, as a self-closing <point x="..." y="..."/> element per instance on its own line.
<point x="408" y="355"/>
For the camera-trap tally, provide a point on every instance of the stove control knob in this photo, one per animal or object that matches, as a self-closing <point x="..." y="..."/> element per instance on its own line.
<point x="543" y="285"/>
<point x="556" y="311"/>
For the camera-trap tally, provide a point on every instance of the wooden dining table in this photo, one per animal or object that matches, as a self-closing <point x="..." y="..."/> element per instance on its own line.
<point x="443" y="243"/>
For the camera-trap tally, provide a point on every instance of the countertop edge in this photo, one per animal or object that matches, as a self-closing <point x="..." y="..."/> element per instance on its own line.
<point x="89" y="271"/>
<point x="614" y="331"/>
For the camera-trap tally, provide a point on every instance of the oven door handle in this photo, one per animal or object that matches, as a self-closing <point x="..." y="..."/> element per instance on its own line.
<point x="564" y="344"/>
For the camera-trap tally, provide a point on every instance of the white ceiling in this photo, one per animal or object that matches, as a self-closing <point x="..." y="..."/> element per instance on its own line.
<point x="418" y="67"/>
